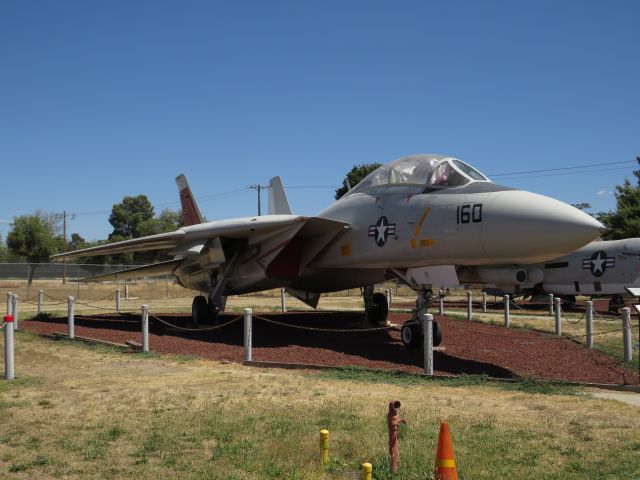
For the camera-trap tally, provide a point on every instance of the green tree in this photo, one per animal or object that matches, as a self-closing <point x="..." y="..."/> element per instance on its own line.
<point x="33" y="238"/>
<point x="127" y="216"/>
<point x="4" y="253"/>
<point x="625" y="221"/>
<point x="355" y="176"/>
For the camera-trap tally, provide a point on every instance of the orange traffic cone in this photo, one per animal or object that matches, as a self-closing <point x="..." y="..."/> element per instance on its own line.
<point x="445" y="463"/>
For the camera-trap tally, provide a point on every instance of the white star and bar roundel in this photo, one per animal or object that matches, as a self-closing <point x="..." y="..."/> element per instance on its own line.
<point x="598" y="263"/>
<point x="381" y="231"/>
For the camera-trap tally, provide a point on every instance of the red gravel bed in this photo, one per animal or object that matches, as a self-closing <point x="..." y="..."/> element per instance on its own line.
<point x="470" y="347"/>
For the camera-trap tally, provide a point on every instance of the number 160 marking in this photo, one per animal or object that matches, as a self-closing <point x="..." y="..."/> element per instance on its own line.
<point x="469" y="213"/>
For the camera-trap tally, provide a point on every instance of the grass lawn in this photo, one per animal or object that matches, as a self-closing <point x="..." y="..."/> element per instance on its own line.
<point x="88" y="412"/>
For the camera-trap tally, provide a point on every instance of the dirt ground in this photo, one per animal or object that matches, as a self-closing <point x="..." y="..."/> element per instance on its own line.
<point x="469" y="347"/>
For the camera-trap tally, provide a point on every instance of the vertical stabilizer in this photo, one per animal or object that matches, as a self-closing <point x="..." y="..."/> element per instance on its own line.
<point x="190" y="212"/>
<point x="278" y="203"/>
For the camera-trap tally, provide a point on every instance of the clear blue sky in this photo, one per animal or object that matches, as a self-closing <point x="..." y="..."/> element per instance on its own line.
<point x="99" y="100"/>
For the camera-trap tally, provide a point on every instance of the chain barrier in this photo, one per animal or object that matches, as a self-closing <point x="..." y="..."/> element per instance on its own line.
<point x="207" y="329"/>
<point x="113" y="310"/>
<point x="315" y="329"/>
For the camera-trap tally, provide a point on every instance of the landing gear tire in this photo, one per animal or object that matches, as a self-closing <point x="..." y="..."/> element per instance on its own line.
<point x="200" y="310"/>
<point x="412" y="337"/>
<point x="378" y="309"/>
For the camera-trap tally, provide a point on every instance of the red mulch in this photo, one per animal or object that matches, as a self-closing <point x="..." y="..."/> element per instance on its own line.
<point x="470" y="347"/>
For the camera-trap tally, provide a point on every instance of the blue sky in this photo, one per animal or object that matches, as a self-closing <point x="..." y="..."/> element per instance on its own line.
<point x="105" y="99"/>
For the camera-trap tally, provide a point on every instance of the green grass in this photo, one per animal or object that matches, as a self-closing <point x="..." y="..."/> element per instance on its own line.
<point x="527" y="385"/>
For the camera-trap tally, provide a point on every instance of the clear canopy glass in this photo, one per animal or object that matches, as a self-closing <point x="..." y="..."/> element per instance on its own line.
<point x="420" y="173"/>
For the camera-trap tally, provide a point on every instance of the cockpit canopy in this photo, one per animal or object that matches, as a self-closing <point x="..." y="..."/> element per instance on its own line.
<point x="418" y="174"/>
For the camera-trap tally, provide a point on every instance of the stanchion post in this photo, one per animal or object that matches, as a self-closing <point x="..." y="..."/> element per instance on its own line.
<point x="589" y="318"/>
<point x="551" y="304"/>
<point x="145" y="328"/>
<point x="427" y="329"/>
<point x="626" y="334"/>
<point x="484" y="302"/>
<point x="506" y="311"/>
<point x="40" y="301"/>
<point x="441" y="302"/>
<point x="390" y="299"/>
<point x="9" y="303"/>
<point x="14" y="312"/>
<point x="126" y="290"/>
<point x="469" y="306"/>
<point x="558" y="312"/>
<point x="71" y="318"/>
<point x="118" y="300"/>
<point x="283" y="305"/>
<point x="247" y="334"/>
<point x="367" y="470"/>
<point x="324" y="446"/>
<point x="8" y="348"/>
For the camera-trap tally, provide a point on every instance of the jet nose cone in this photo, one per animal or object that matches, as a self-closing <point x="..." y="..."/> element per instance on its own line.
<point x="523" y="227"/>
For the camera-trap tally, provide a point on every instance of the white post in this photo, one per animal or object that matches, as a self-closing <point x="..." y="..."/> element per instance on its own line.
<point x="484" y="302"/>
<point x="589" y="315"/>
<point x="390" y="299"/>
<point x="8" y="348"/>
<point x="506" y="311"/>
<point x="145" y="328"/>
<point x="469" y="306"/>
<point x="558" y="312"/>
<point x="626" y="334"/>
<point x="551" y="304"/>
<point x="71" y="318"/>
<point x="9" y="303"/>
<point x="118" y="300"/>
<point x="283" y="305"/>
<point x="126" y="290"/>
<point x="441" y="297"/>
<point x="427" y="329"/>
<point x="39" y="302"/>
<point x="247" y="334"/>
<point x="14" y="312"/>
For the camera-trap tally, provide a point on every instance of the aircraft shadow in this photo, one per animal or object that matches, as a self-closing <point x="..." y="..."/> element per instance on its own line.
<point x="382" y="346"/>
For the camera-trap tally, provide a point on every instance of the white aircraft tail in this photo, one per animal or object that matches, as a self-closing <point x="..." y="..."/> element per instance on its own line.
<point x="190" y="212"/>
<point x="278" y="203"/>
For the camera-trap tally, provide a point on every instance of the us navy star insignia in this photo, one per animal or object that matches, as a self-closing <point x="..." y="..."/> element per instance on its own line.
<point x="598" y="263"/>
<point x="381" y="231"/>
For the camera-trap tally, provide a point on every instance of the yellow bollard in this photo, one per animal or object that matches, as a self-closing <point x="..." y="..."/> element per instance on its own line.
<point x="324" y="446"/>
<point x="366" y="471"/>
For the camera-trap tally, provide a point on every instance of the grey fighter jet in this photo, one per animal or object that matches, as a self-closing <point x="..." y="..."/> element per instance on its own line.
<point x="417" y="211"/>
<point x="601" y="268"/>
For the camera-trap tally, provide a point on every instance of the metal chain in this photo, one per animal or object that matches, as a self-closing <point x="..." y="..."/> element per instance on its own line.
<point x="208" y="329"/>
<point x="314" y="329"/>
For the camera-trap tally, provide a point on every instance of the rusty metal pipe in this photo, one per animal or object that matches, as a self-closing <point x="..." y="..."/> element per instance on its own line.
<point x="393" y="420"/>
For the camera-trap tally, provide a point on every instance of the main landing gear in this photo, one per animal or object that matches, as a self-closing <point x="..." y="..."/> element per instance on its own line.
<point x="202" y="310"/>
<point x="375" y="305"/>
<point x="411" y="332"/>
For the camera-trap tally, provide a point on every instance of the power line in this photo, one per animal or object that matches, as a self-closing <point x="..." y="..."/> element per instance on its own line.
<point x="563" y="168"/>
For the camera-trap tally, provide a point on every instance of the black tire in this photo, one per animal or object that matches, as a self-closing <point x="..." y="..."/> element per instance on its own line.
<point x="437" y="334"/>
<point x="200" y="311"/>
<point x="378" y="309"/>
<point x="411" y="335"/>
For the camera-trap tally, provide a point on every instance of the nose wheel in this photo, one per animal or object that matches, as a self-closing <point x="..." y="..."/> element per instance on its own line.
<point x="412" y="337"/>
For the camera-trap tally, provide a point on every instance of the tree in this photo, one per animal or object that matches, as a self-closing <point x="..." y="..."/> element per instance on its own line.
<point x="32" y="237"/>
<point x="127" y="216"/>
<point x="4" y="254"/>
<point x="625" y="221"/>
<point x="355" y="176"/>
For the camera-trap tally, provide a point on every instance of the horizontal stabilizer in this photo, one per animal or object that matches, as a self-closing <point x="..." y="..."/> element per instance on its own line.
<point x="161" y="268"/>
<point x="278" y="203"/>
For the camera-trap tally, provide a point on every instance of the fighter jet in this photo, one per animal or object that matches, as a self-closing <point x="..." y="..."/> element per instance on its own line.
<point x="417" y="211"/>
<point x="601" y="268"/>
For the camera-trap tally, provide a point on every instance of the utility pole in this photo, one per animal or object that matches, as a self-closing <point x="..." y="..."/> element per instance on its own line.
<point x="259" y="188"/>
<point x="64" y="234"/>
